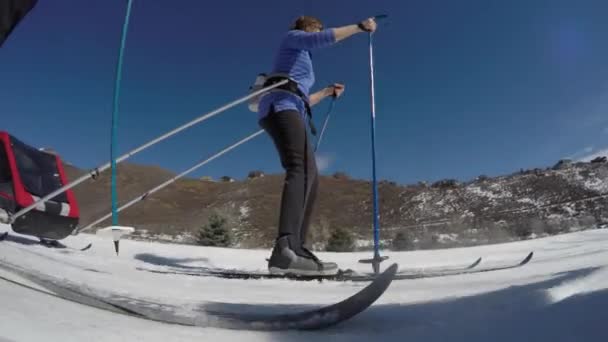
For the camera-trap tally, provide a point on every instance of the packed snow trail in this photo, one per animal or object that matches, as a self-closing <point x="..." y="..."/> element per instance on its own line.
<point x="561" y="295"/>
<point x="203" y="314"/>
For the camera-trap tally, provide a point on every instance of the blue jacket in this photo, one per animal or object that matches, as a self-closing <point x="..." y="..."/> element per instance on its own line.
<point x="294" y="59"/>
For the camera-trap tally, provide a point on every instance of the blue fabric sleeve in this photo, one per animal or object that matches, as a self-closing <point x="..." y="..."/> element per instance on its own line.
<point x="302" y="40"/>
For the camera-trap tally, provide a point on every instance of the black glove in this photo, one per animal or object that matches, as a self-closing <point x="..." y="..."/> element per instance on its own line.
<point x="362" y="27"/>
<point x="333" y="93"/>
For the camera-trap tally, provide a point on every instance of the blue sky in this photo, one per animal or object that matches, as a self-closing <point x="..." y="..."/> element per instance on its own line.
<point x="462" y="88"/>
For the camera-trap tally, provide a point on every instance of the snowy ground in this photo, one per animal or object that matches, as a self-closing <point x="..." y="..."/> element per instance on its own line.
<point x="561" y="295"/>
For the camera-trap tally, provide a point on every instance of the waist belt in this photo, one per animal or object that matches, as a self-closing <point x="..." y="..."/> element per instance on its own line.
<point x="292" y="87"/>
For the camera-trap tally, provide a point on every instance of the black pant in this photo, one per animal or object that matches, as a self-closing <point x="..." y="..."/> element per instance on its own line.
<point x="288" y="131"/>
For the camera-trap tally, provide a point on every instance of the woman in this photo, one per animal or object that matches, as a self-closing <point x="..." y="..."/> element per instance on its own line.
<point x="283" y="113"/>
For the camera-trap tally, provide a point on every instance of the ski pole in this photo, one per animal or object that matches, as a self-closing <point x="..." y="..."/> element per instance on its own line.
<point x="331" y="107"/>
<point x="193" y="168"/>
<point x="377" y="259"/>
<point x="114" y="129"/>
<point x="166" y="183"/>
<point x="96" y="171"/>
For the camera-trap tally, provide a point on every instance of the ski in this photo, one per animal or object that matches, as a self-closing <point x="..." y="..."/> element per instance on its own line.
<point x="59" y="245"/>
<point x="454" y="272"/>
<point x="50" y="243"/>
<point x="342" y="275"/>
<point x="86" y="247"/>
<point x="220" y="315"/>
<point x="243" y="274"/>
<point x="440" y="269"/>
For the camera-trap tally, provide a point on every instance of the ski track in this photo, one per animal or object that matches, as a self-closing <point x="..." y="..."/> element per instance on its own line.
<point x="561" y="295"/>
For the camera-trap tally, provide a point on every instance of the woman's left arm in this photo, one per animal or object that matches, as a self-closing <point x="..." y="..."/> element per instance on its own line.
<point x="320" y="95"/>
<point x="332" y="90"/>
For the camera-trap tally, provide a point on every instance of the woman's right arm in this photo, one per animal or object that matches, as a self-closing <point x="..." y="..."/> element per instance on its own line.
<point x="313" y="40"/>
<point x="340" y="33"/>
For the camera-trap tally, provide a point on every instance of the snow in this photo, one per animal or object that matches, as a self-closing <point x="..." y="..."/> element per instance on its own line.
<point x="585" y="285"/>
<point x="527" y="200"/>
<point x="594" y="180"/>
<point x="561" y="295"/>
<point x="596" y="184"/>
<point x="244" y="211"/>
<point x="423" y="198"/>
<point x="497" y="191"/>
<point x="482" y="193"/>
<point x="598" y="153"/>
<point x="443" y="238"/>
<point x="466" y="214"/>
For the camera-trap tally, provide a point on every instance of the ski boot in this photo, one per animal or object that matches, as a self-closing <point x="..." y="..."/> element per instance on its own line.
<point x="285" y="260"/>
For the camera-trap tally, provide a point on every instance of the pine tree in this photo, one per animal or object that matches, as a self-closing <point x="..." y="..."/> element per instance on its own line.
<point x="341" y="240"/>
<point x="214" y="233"/>
<point x="401" y="242"/>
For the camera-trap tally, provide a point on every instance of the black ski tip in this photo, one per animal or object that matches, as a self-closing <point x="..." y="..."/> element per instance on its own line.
<point x="527" y="259"/>
<point x="477" y="262"/>
<point x="86" y="247"/>
<point x="358" y="302"/>
<point x="51" y="243"/>
<point x="314" y="319"/>
<point x="116" y="246"/>
<point x="3" y="236"/>
<point x="391" y="270"/>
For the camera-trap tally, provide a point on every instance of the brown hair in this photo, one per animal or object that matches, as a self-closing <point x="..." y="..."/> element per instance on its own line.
<point x="305" y="22"/>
